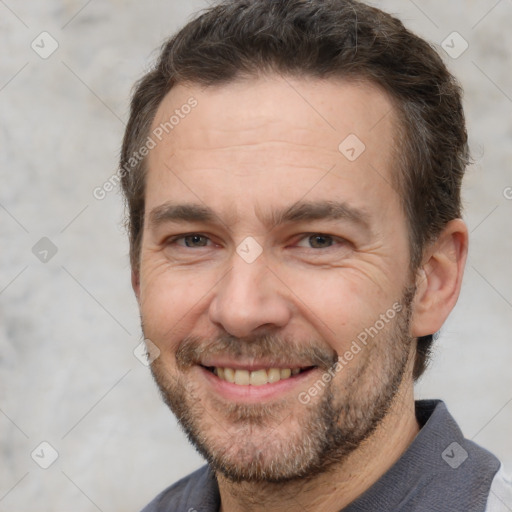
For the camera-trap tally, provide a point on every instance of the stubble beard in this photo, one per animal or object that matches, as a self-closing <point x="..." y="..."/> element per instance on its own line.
<point x="285" y="440"/>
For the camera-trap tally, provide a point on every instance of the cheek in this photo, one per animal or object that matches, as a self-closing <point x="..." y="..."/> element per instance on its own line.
<point x="340" y="304"/>
<point x="166" y="304"/>
<point x="327" y="299"/>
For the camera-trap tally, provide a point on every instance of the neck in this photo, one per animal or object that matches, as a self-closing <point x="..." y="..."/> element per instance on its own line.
<point x="335" y="489"/>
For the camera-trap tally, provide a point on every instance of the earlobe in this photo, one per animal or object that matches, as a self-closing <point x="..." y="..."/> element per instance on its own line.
<point x="439" y="279"/>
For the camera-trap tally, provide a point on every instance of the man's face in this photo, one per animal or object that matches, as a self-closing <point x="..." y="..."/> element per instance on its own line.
<point x="272" y="245"/>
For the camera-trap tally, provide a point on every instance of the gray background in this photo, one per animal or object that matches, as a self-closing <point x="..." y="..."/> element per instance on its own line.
<point x="68" y="326"/>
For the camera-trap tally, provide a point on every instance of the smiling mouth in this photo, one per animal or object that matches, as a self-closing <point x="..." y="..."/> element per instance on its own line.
<point x="255" y="377"/>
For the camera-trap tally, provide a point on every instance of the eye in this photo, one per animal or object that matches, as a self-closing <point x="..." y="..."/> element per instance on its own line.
<point x="317" y="241"/>
<point x="193" y="240"/>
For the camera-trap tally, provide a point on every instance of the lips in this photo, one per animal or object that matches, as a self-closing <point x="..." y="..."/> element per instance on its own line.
<point x="259" y="377"/>
<point x="251" y="381"/>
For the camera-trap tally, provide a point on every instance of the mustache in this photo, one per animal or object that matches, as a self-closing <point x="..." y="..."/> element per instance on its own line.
<point x="272" y="348"/>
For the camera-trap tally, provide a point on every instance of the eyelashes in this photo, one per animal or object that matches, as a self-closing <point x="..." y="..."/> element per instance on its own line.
<point x="314" y="241"/>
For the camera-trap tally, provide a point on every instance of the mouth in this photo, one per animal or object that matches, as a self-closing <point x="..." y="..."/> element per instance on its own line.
<point x="259" y="377"/>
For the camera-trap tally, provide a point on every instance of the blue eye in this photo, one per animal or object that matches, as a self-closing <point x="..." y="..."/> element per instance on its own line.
<point x="317" y="241"/>
<point x="314" y="241"/>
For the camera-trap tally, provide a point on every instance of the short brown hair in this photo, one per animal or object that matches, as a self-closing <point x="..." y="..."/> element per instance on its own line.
<point x="320" y="39"/>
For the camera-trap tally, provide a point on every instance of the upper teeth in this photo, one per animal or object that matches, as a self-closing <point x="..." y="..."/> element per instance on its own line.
<point x="256" y="377"/>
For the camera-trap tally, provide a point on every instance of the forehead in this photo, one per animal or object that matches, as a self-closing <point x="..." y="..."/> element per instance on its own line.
<point x="261" y="137"/>
<point x="317" y="106"/>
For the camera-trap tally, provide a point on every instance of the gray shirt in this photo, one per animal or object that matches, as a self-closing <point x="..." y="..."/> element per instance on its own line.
<point x="440" y="471"/>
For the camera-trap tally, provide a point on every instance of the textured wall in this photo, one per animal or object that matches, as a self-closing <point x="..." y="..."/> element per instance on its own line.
<point x="68" y="325"/>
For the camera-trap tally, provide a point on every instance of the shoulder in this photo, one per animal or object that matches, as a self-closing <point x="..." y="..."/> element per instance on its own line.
<point x="199" y="489"/>
<point x="460" y="472"/>
<point x="500" y="495"/>
<point x="441" y="470"/>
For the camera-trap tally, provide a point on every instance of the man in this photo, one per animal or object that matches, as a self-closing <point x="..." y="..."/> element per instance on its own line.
<point x="292" y="171"/>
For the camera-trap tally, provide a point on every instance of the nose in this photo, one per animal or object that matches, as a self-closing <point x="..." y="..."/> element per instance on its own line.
<point x="248" y="298"/>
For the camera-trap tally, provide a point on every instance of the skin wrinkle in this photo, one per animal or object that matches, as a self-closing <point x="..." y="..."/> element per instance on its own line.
<point x="193" y="351"/>
<point x="264" y="129"/>
<point x="258" y="146"/>
<point x="300" y="211"/>
<point x="363" y="249"/>
<point x="190" y="352"/>
<point x="201" y="300"/>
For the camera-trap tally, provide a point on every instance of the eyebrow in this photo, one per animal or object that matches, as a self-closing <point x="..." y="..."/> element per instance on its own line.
<point x="301" y="211"/>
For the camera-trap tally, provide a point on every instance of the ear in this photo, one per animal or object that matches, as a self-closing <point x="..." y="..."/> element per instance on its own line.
<point x="439" y="279"/>
<point x="136" y="283"/>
